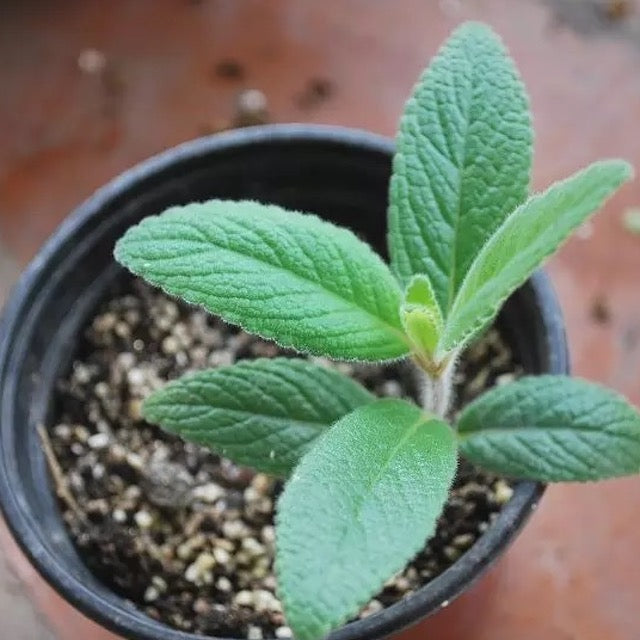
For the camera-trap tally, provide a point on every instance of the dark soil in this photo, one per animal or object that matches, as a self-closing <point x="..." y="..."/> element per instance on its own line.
<point x="183" y="534"/>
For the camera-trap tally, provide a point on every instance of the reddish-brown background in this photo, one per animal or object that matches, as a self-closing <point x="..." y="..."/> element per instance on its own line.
<point x="574" y="574"/>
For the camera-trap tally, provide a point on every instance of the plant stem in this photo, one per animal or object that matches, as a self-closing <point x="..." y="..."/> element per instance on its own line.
<point x="437" y="390"/>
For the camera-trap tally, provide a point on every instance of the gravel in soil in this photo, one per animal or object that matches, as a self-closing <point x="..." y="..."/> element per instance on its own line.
<point x="185" y="535"/>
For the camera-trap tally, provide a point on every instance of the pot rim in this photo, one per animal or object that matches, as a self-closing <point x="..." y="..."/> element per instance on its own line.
<point x="129" y="621"/>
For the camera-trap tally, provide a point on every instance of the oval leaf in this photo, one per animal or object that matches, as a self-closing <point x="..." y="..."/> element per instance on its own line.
<point x="280" y="274"/>
<point x="462" y="162"/>
<point x="552" y="428"/>
<point x="357" y="508"/>
<point x="262" y="413"/>
<point x="528" y="236"/>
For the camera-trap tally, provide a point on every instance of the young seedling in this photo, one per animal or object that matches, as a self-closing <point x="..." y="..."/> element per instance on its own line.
<point x="367" y="477"/>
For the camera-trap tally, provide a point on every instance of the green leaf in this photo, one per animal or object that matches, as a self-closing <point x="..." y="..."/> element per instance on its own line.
<point x="420" y="293"/>
<point x="260" y="413"/>
<point x="422" y="328"/>
<point x="528" y="236"/>
<point x="462" y="162"/>
<point x="280" y="274"/>
<point x="420" y="315"/>
<point x="357" y="508"/>
<point x="552" y="428"/>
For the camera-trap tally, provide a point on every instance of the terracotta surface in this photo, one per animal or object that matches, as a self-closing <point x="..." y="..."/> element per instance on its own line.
<point x="575" y="572"/>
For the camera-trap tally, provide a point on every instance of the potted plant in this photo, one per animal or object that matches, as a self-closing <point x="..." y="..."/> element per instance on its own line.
<point x="367" y="478"/>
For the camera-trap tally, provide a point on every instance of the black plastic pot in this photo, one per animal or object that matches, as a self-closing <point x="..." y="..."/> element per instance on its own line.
<point x="338" y="173"/>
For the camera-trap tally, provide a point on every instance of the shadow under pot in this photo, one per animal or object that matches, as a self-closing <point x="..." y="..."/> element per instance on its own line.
<point x="49" y="330"/>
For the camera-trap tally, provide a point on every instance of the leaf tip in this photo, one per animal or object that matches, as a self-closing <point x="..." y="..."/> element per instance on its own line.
<point x="473" y="26"/>
<point x="122" y="248"/>
<point x="149" y="409"/>
<point x="119" y="251"/>
<point x="627" y="170"/>
<point x="476" y="29"/>
<point x="618" y="169"/>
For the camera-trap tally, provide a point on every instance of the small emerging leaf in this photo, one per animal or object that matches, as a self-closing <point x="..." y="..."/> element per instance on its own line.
<point x="357" y="508"/>
<point x="282" y="275"/>
<point x="552" y="428"/>
<point x="420" y="316"/>
<point x="420" y="293"/>
<point x="462" y="162"/>
<point x="422" y="328"/>
<point x="528" y="236"/>
<point x="261" y="413"/>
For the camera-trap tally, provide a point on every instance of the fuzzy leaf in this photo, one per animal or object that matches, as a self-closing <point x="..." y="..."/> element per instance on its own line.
<point x="462" y="162"/>
<point x="528" y="236"/>
<point x="261" y="413"/>
<point x="420" y="293"/>
<point x="420" y="315"/>
<point x="357" y="508"/>
<point x="280" y="274"/>
<point x="552" y="428"/>
<point x="422" y="328"/>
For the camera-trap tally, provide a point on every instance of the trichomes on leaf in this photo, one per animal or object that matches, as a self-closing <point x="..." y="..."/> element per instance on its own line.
<point x="368" y="478"/>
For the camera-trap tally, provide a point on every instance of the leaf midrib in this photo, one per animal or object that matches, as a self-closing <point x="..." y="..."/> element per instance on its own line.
<point x="366" y="494"/>
<point x="383" y="323"/>
<point x="458" y="213"/>
<point x="464" y="436"/>
<point x="248" y="414"/>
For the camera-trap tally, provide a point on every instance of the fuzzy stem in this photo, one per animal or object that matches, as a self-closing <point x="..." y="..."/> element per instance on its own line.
<point x="437" y="390"/>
